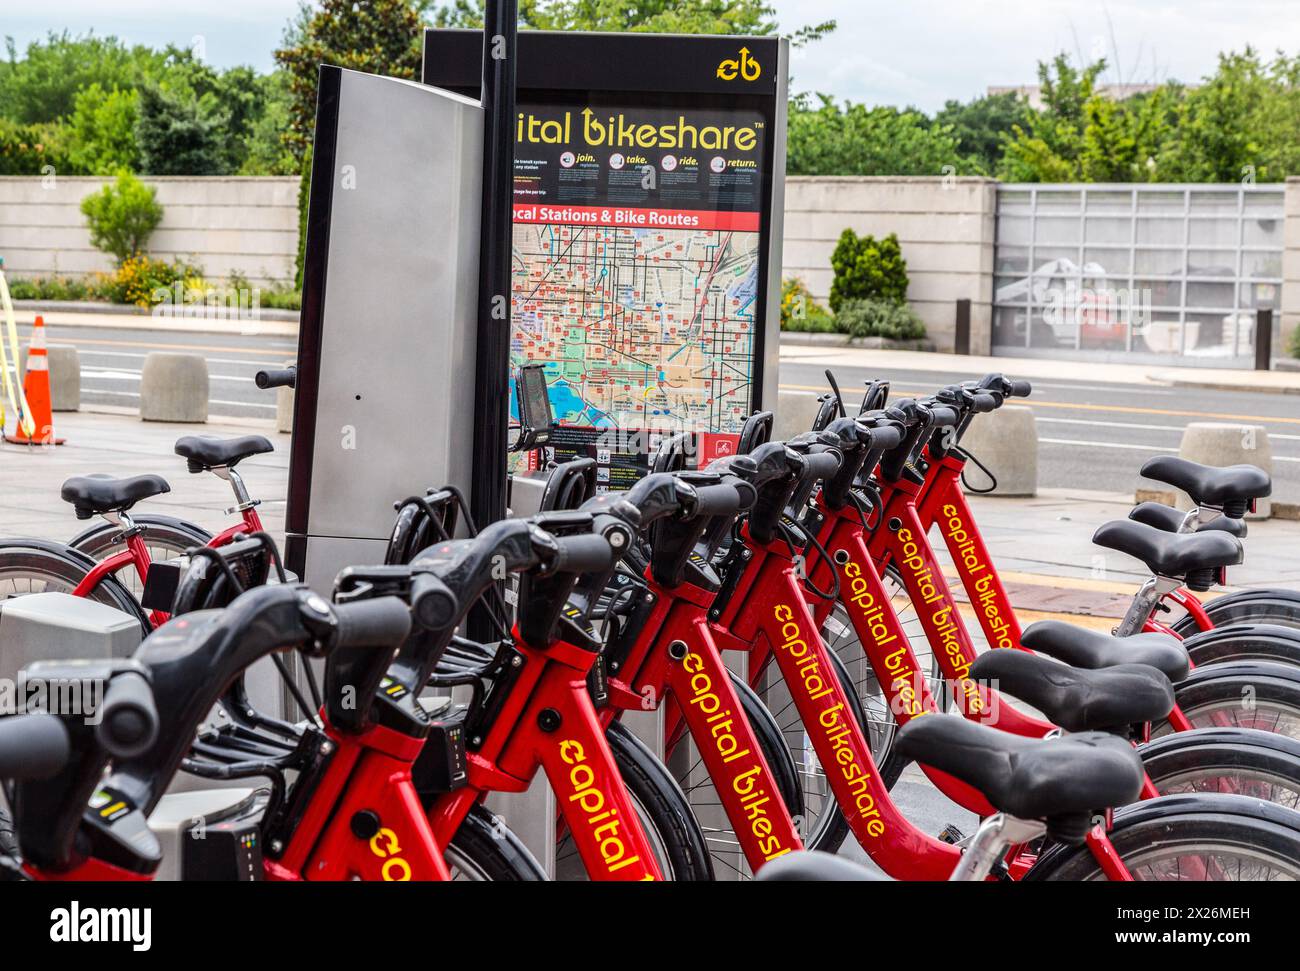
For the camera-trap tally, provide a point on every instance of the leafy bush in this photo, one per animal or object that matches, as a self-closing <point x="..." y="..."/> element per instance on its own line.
<point x="180" y="134"/>
<point x="101" y="132"/>
<point x="879" y="318"/>
<point x="52" y="288"/>
<point x="138" y="277"/>
<point x="867" y="268"/>
<point x="1293" y="347"/>
<point x="27" y="149"/>
<point x="800" y="312"/>
<point x="122" y="217"/>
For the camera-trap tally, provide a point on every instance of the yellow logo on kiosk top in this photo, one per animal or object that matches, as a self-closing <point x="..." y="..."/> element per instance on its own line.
<point x="746" y="67"/>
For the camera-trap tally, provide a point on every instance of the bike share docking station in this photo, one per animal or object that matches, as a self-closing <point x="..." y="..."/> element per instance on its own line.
<point x="636" y="229"/>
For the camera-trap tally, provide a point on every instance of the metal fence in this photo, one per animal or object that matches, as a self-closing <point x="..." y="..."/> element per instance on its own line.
<point x="1165" y="273"/>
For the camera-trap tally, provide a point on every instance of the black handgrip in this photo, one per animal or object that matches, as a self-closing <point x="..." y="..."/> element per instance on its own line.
<point x="433" y="605"/>
<point x="378" y="622"/>
<point x="885" y="437"/>
<point x="725" y="499"/>
<point x="820" y="466"/>
<point x="943" y="416"/>
<point x="1019" y="389"/>
<point x="276" y="378"/>
<point x="128" y="718"/>
<point x="32" y="746"/>
<point x="582" y="554"/>
<point x="984" y="402"/>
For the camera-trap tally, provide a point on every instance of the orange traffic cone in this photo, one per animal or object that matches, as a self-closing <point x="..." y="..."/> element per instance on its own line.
<point x="36" y="388"/>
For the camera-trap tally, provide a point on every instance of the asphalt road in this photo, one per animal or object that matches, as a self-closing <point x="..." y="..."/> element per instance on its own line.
<point x="1091" y="435"/>
<point x="111" y="361"/>
<point x="1096" y="435"/>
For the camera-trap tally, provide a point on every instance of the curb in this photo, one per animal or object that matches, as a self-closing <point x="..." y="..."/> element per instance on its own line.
<point x="122" y="309"/>
<point x="802" y="339"/>
<point x="1173" y="382"/>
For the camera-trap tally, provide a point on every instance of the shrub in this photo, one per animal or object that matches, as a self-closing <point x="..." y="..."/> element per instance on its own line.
<point x="879" y="318"/>
<point x="800" y="312"/>
<point x="27" y="149"/>
<point x="51" y="288"/>
<point x="138" y="277"/>
<point x="867" y="268"/>
<point x="1293" y="347"/>
<point x="122" y="217"/>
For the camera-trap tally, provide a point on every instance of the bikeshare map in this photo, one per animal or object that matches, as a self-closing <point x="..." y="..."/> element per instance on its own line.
<point x="636" y="277"/>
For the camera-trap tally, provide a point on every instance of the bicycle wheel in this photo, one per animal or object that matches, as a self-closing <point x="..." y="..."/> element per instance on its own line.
<point x="1280" y="607"/>
<point x="688" y="769"/>
<point x="1238" y="761"/>
<point x="37" y="566"/>
<point x="665" y="815"/>
<point x="1245" y="642"/>
<point x="165" y="536"/>
<point x="824" y="823"/>
<point x="1240" y="694"/>
<point x="1189" y="838"/>
<point x="484" y="849"/>
<point x="8" y="838"/>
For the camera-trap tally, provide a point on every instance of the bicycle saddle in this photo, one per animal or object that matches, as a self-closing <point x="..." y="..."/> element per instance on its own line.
<point x="1235" y="485"/>
<point x="1172" y="554"/>
<point x="1084" y="648"/>
<point x="91" y="495"/>
<point x="1078" y="700"/>
<point x="812" y="865"/>
<point x="203" y="453"/>
<point x="1031" y="778"/>
<point x="1169" y="519"/>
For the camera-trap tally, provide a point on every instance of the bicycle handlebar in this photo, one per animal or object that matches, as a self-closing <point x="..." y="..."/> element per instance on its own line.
<point x="433" y="605"/>
<point x="276" y="378"/>
<point x="32" y="746"/>
<point x="378" y="622"/>
<point x="724" y="499"/>
<point x="128" y="717"/>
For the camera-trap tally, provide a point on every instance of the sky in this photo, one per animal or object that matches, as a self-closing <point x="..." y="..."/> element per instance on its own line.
<point x="897" y="52"/>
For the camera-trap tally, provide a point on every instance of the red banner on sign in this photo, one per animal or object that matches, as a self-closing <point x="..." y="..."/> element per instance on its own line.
<point x="634" y="218"/>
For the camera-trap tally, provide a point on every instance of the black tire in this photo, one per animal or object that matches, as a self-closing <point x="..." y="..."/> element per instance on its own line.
<point x="1240" y="694"/>
<point x="1164" y="827"/>
<point x="1261" y="765"/>
<point x="165" y="536"/>
<point x="829" y="827"/>
<point x="1281" y="607"/>
<point x="484" y="849"/>
<point x="35" y="566"/>
<point x="684" y="764"/>
<point x="1245" y="642"/>
<point x="8" y="837"/>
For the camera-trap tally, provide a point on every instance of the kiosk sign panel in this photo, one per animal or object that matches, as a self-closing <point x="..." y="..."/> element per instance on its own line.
<point x="642" y="235"/>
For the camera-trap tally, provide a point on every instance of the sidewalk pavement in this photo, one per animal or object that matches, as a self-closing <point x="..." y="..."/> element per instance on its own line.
<point x="1219" y="379"/>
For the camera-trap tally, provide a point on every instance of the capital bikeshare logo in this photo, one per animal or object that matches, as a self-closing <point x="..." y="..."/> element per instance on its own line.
<point x="744" y="67"/>
<point x="985" y="592"/>
<point x="589" y="795"/>
<point x="873" y="613"/>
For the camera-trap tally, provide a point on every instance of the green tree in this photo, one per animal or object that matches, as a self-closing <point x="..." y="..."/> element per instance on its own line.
<point x="983" y="125"/>
<point x="43" y="86"/>
<point x="122" y="216"/>
<point x="179" y="134"/>
<point x="101" y="132"/>
<point x="375" y="36"/>
<point x="852" y="139"/>
<point x="264" y="150"/>
<point x="1049" y="146"/>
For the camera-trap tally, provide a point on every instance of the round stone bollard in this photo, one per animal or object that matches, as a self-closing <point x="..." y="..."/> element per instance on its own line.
<point x="1006" y="441"/>
<point x="284" y="407"/>
<point x="1221" y="443"/>
<point x="65" y="377"/>
<point x="795" y="411"/>
<point x="174" y="387"/>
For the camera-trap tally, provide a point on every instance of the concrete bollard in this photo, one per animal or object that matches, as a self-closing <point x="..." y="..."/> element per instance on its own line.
<point x="1219" y="444"/>
<point x="795" y="411"/>
<point x="65" y="377"/>
<point x="1006" y="441"/>
<point x="174" y="387"/>
<point x="284" y="408"/>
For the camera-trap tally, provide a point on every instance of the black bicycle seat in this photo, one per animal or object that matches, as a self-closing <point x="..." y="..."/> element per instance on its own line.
<point x="1169" y="519"/>
<point x="203" y="453"/>
<point x="92" y="495"/>
<point x="1208" y="485"/>
<point x="1030" y="778"/>
<point x="1085" y="648"/>
<point x="1170" y="554"/>
<point x="1078" y="700"/>
<point x="813" y="865"/>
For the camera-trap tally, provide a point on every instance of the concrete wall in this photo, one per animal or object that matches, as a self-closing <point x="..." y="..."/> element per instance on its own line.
<point x="1290" y="267"/>
<point x="945" y="225"/>
<point x="222" y="223"/>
